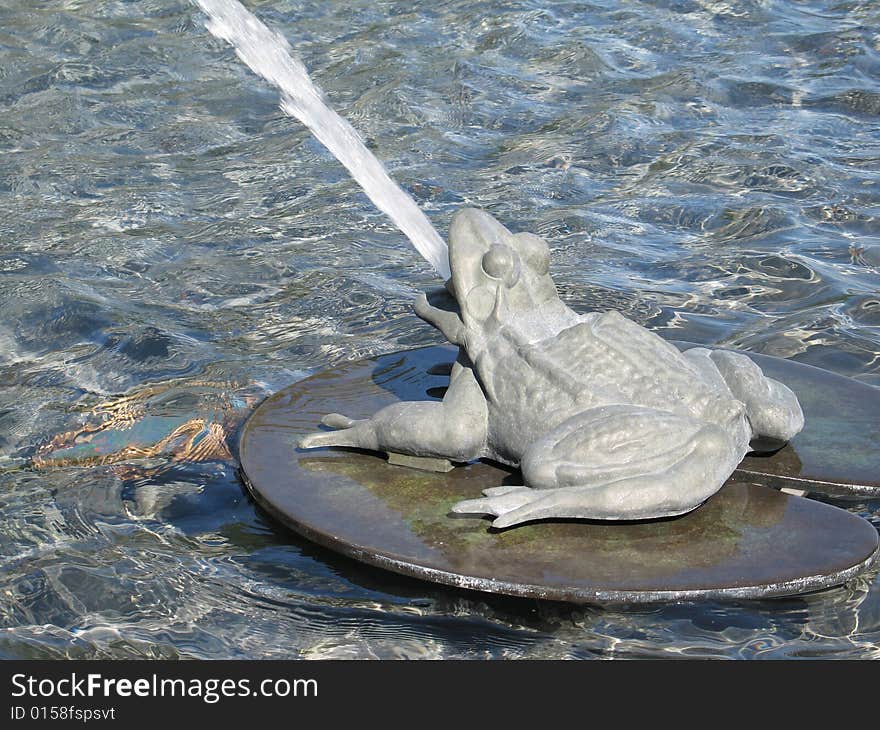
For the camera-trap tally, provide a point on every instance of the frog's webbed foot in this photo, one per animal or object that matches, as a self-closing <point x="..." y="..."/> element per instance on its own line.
<point x="497" y="501"/>
<point x="615" y="463"/>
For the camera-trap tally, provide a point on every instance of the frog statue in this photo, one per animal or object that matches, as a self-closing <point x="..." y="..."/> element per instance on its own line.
<point x="606" y="420"/>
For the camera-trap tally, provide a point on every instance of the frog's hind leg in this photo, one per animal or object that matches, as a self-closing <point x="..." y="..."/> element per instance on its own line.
<point x="615" y="463"/>
<point x="772" y="408"/>
<point x="453" y="429"/>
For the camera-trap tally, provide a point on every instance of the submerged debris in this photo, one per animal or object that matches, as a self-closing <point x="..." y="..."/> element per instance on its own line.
<point x="178" y="422"/>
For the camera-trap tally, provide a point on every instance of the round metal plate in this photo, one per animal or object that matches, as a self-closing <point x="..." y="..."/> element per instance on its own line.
<point x="746" y="541"/>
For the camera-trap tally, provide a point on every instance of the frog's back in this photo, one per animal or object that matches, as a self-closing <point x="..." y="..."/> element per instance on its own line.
<point x="603" y="359"/>
<point x="618" y="361"/>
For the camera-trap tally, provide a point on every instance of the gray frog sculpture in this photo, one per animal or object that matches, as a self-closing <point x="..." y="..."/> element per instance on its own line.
<point x="606" y="419"/>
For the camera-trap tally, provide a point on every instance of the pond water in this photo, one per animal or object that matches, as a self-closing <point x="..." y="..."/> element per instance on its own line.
<point x="173" y="248"/>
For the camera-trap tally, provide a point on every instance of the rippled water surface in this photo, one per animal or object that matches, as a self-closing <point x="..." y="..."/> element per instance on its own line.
<point x="173" y="248"/>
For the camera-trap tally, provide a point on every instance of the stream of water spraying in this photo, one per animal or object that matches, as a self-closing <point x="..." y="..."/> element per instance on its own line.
<point x="268" y="54"/>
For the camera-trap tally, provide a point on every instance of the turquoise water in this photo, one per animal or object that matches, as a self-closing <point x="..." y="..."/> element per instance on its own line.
<point x="173" y="248"/>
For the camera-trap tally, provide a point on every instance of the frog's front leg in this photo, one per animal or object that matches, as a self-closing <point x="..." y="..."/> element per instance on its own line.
<point x="617" y="462"/>
<point x="453" y="429"/>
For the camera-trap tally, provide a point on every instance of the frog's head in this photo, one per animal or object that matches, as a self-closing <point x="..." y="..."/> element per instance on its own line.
<point x="495" y="273"/>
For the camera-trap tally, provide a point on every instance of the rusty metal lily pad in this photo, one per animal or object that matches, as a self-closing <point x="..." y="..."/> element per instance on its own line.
<point x="746" y="541"/>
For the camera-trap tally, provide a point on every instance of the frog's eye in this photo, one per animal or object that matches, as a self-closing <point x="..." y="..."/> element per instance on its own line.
<point x="540" y="261"/>
<point x="534" y="252"/>
<point x="501" y="262"/>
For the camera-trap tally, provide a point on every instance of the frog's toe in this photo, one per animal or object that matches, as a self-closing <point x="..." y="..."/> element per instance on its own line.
<point x="531" y="510"/>
<point x="337" y="420"/>
<point x="320" y="438"/>
<point x="497" y="504"/>
<point x="349" y="432"/>
<point x="498" y="491"/>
